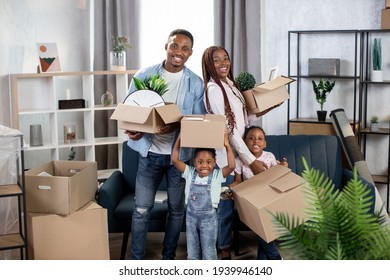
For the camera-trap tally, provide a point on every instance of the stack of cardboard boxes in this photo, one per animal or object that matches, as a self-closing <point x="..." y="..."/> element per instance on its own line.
<point x="385" y="16"/>
<point x="63" y="221"/>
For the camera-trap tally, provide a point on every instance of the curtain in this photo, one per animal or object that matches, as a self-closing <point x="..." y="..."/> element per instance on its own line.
<point x="237" y="28"/>
<point x="111" y="18"/>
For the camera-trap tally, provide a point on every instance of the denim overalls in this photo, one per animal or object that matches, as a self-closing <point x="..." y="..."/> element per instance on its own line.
<point x="201" y="222"/>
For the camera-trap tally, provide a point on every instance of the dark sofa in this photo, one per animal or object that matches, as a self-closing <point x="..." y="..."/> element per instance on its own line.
<point x="322" y="152"/>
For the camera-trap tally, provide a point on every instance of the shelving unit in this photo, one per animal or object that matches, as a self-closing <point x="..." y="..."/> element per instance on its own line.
<point x="302" y="45"/>
<point x="34" y="100"/>
<point x="13" y="186"/>
<point x="367" y="94"/>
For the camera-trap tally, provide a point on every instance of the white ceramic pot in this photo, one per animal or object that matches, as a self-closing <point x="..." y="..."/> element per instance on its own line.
<point x="118" y="61"/>
<point x="374" y="127"/>
<point x="377" y="76"/>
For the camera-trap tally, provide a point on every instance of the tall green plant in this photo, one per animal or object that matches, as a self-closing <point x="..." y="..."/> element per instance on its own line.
<point x="377" y="54"/>
<point x="322" y="90"/>
<point x="155" y="83"/>
<point x="340" y="226"/>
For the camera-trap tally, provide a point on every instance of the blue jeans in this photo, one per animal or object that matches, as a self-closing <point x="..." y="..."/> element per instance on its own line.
<point x="151" y="170"/>
<point x="201" y="233"/>
<point x="267" y="251"/>
<point x="225" y="219"/>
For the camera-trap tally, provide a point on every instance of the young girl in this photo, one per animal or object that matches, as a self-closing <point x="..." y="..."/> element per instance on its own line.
<point x="254" y="138"/>
<point x="202" y="195"/>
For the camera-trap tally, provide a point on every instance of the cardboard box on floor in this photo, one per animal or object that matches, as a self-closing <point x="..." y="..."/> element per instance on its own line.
<point x="267" y="95"/>
<point x="387" y="4"/>
<point x="276" y="190"/>
<point x="203" y="131"/>
<point x="145" y="119"/>
<point x="82" y="235"/>
<point x="60" y="186"/>
<point x="385" y="19"/>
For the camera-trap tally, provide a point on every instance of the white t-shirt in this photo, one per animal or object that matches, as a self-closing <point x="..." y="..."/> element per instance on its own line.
<point x="162" y="144"/>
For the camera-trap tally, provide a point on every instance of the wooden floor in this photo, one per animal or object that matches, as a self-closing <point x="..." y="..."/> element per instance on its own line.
<point x="248" y="246"/>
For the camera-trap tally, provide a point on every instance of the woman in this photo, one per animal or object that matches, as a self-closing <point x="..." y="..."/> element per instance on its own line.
<point x="223" y="97"/>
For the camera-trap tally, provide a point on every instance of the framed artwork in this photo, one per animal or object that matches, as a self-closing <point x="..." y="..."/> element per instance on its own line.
<point x="49" y="60"/>
<point x="273" y="73"/>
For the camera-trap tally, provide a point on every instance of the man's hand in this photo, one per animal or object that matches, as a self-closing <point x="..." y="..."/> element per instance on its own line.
<point x="258" y="166"/>
<point x="134" y="135"/>
<point x="168" y="128"/>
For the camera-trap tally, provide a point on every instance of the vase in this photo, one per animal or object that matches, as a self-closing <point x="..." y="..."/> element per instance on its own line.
<point x="70" y="133"/>
<point x="377" y="76"/>
<point x="321" y="115"/>
<point x="107" y="99"/>
<point x="118" y="61"/>
<point x="36" y="135"/>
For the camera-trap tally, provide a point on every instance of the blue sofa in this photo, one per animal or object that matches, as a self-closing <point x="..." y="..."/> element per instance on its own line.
<point x="322" y="152"/>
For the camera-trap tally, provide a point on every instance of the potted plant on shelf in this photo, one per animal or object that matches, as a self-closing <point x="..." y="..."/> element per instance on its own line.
<point x="377" y="73"/>
<point x="340" y="224"/>
<point x="374" y="124"/>
<point x="322" y="90"/>
<point x="118" y="54"/>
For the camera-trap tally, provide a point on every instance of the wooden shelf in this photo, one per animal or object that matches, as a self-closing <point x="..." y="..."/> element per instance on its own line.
<point x="10" y="190"/>
<point x="11" y="241"/>
<point x="312" y="126"/>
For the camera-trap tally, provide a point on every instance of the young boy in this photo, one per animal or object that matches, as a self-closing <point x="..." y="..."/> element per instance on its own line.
<point x="202" y="194"/>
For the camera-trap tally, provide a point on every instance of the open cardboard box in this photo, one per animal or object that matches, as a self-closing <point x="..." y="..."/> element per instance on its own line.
<point x="203" y="131"/>
<point x="276" y="190"/>
<point x="267" y="95"/>
<point x="83" y="235"/>
<point x="60" y="186"/>
<point x="145" y="119"/>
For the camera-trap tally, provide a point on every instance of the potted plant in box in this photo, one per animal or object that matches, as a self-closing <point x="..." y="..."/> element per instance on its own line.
<point x="377" y="73"/>
<point x="245" y="81"/>
<point x="322" y="90"/>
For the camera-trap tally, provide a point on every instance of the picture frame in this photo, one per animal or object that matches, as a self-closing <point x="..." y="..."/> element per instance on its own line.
<point x="49" y="60"/>
<point x="273" y="73"/>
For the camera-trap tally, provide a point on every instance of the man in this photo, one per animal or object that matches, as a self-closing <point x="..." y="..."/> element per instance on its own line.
<point x="185" y="89"/>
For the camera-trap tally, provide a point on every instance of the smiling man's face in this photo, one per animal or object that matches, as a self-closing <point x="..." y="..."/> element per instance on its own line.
<point x="179" y="49"/>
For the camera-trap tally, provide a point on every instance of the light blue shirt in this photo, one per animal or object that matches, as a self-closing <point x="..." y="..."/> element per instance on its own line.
<point x="189" y="100"/>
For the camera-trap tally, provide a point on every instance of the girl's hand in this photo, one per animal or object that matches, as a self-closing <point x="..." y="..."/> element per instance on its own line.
<point x="284" y="162"/>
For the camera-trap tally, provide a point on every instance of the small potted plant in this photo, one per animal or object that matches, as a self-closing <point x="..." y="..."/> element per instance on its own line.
<point x="377" y="73"/>
<point x="245" y="81"/>
<point x="322" y="90"/>
<point x="374" y="124"/>
<point x="118" y="54"/>
<point x="154" y="83"/>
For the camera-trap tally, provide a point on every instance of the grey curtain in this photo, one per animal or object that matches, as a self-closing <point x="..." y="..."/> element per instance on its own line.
<point x="111" y="18"/>
<point x="237" y="28"/>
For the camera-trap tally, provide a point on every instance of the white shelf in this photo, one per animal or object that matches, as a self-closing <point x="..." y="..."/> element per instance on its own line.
<point x="34" y="100"/>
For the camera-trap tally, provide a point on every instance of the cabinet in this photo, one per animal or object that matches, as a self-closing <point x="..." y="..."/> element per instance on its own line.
<point x="375" y="144"/>
<point x="35" y="100"/>
<point x="302" y="106"/>
<point x="12" y="194"/>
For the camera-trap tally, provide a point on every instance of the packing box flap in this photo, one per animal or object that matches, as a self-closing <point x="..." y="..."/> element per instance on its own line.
<point x="170" y="113"/>
<point x="130" y="113"/>
<point x="273" y="84"/>
<point x="287" y="182"/>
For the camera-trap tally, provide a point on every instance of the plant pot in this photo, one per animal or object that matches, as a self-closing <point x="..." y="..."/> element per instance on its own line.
<point x="374" y="127"/>
<point x="321" y="115"/>
<point x="107" y="99"/>
<point x="118" y="61"/>
<point x="377" y="76"/>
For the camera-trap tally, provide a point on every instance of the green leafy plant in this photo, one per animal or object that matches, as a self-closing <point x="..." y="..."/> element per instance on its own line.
<point x="120" y="43"/>
<point x="374" y="119"/>
<point x="245" y="81"/>
<point x="72" y="154"/>
<point x="377" y="54"/>
<point x="340" y="226"/>
<point x="155" y="83"/>
<point x="322" y="90"/>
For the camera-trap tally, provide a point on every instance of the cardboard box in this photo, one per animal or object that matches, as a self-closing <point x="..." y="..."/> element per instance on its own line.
<point x="82" y="235"/>
<point x="387" y="4"/>
<point x="60" y="187"/>
<point x="267" y="95"/>
<point x="385" y="19"/>
<point x="145" y="119"/>
<point x="276" y="190"/>
<point x="203" y="131"/>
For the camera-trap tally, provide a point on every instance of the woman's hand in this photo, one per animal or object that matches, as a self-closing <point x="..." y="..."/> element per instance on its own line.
<point x="258" y="166"/>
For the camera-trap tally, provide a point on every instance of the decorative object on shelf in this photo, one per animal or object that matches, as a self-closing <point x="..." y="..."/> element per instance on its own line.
<point x="49" y="60"/>
<point x="374" y="124"/>
<point x="324" y="67"/>
<point x="118" y="54"/>
<point x="321" y="90"/>
<point x="327" y="234"/>
<point x="72" y="154"/>
<point x="71" y="104"/>
<point x="107" y="99"/>
<point x="245" y="81"/>
<point x="377" y="72"/>
<point x="70" y="134"/>
<point x="154" y="83"/>
<point x="36" y="135"/>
